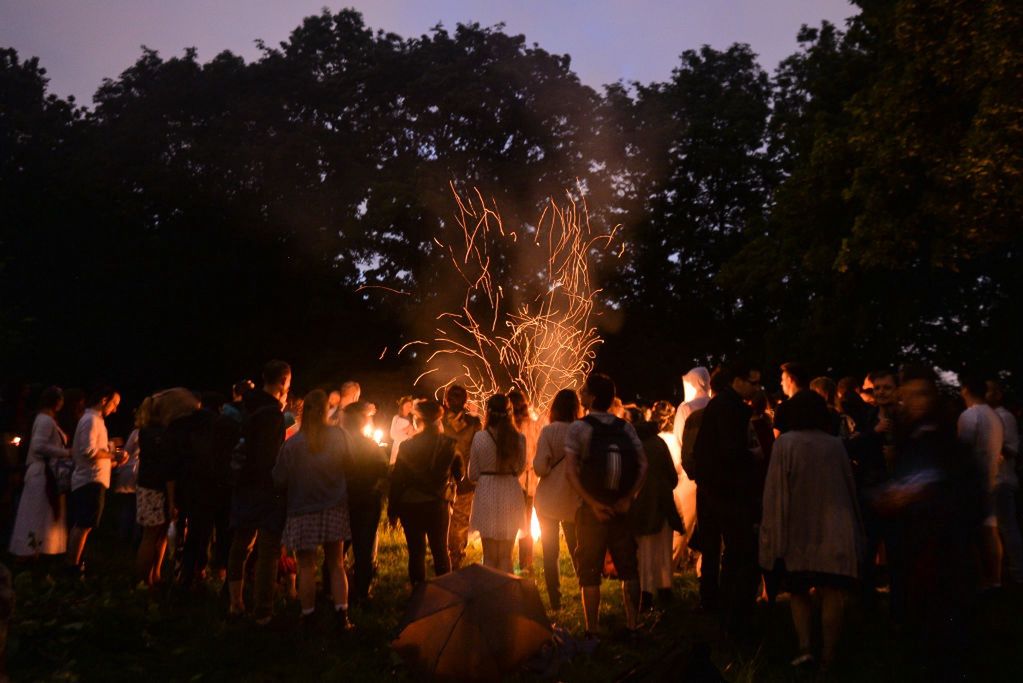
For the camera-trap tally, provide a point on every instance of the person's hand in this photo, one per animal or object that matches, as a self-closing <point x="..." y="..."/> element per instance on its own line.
<point x="602" y="512"/>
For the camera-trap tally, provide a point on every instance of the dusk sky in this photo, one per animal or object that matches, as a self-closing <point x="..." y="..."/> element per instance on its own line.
<point x="80" y="42"/>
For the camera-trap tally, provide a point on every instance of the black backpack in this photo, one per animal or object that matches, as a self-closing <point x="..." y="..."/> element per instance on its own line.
<point x="610" y="466"/>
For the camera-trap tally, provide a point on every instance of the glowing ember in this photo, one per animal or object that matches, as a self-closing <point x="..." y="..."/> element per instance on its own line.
<point x="537" y="335"/>
<point x="16" y="441"/>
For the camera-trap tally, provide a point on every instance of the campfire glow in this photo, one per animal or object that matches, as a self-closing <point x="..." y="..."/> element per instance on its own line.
<point x="537" y="337"/>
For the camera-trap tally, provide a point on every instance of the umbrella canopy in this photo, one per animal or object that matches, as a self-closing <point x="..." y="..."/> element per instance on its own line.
<point x="472" y="624"/>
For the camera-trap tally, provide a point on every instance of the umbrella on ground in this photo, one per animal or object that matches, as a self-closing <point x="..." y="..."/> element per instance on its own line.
<point x="472" y="624"/>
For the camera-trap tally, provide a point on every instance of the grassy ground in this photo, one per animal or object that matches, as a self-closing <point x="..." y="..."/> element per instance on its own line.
<point x="103" y="629"/>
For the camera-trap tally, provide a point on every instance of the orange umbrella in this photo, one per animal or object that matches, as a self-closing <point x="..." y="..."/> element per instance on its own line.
<point x="472" y="624"/>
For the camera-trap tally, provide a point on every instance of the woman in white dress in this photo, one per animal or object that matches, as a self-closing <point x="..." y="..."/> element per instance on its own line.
<point x="39" y="528"/>
<point x="496" y="460"/>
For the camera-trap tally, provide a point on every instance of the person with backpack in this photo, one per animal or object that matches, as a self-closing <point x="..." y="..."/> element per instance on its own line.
<point x="422" y="486"/>
<point x="606" y="466"/>
<point x="257" y="506"/>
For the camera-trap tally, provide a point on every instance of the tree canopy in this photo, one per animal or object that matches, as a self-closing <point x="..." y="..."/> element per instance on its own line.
<point x="857" y="206"/>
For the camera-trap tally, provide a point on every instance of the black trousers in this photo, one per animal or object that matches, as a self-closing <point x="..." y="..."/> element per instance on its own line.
<point x="365" y="519"/>
<point x="208" y="521"/>
<point x="728" y="580"/>
<point x="426" y="522"/>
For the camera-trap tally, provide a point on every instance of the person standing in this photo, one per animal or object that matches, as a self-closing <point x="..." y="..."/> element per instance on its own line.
<point x="93" y="454"/>
<point x="810" y="533"/>
<point x="257" y="507"/>
<point x="39" y="527"/>
<point x="653" y="516"/>
<point x="606" y="467"/>
<point x="696" y="385"/>
<point x="497" y="459"/>
<point x="727" y="501"/>
<point x="366" y="471"/>
<point x="795" y="384"/>
<point x="1007" y="483"/>
<point x="556" y="501"/>
<point x="529" y="427"/>
<point x="158" y="493"/>
<point x="980" y="429"/>
<point x="310" y="467"/>
<point x="462" y="427"/>
<point x="423" y="475"/>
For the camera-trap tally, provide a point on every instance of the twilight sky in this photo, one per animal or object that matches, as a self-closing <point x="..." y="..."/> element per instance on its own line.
<point x="80" y="42"/>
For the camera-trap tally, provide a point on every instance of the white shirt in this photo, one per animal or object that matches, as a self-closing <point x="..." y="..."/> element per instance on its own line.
<point x="1010" y="428"/>
<point x="90" y="437"/>
<point x="981" y="429"/>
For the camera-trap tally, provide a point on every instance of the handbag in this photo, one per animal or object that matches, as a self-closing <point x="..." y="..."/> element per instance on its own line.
<point x="61" y="468"/>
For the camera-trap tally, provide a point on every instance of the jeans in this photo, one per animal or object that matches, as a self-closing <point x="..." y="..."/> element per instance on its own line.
<point x="550" y="541"/>
<point x="365" y="519"/>
<point x="268" y="551"/>
<point x="424" y="522"/>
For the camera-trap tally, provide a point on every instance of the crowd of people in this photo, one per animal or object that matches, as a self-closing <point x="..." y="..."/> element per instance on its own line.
<point x="837" y="490"/>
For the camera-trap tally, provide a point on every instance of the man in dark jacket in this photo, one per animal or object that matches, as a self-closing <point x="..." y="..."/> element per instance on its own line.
<point x="727" y="505"/>
<point x="257" y="507"/>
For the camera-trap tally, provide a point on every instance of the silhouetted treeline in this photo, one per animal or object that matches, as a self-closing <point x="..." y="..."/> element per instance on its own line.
<point x="858" y="206"/>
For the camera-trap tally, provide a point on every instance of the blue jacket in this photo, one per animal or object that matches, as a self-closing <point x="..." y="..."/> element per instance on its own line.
<point x="315" y="481"/>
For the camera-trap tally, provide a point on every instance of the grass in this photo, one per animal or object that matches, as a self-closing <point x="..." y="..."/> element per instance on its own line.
<point x="103" y="629"/>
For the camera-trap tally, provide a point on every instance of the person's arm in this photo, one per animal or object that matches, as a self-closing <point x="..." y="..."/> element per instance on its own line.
<point x="473" y="473"/>
<point x="678" y="429"/>
<point x="457" y="469"/>
<point x="572" y="461"/>
<point x="49" y="442"/>
<point x="1010" y="441"/>
<point x="544" y="449"/>
<point x="623" y="504"/>
<point x="282" y="468"/>
<point x="98" y="448"/>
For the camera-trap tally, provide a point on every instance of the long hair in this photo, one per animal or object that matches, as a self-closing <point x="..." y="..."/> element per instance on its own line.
<point x="314" y="420"/>
<point x="520" y="407"/>
<point x="565" y="406"/>
<point x="499" y="421"/>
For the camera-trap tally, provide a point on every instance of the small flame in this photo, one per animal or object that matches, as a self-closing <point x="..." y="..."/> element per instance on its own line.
<point x="534" y="527"/>
<point x="367" y="431"/>
<point x="378" y="436"/>
<point x="16" y="441"/>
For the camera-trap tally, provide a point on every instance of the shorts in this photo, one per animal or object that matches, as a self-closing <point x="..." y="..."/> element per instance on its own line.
<point x="86" y="505"/>
<point x="150" y="507"/>
<point x="594" y="539"/>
